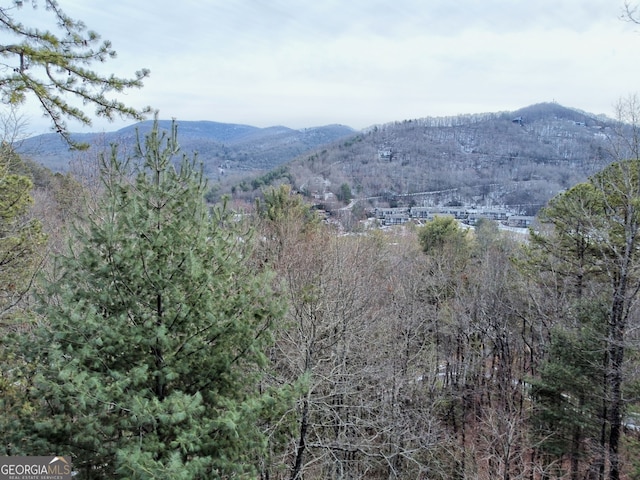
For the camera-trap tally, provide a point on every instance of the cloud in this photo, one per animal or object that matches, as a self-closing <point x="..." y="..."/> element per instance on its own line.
<point x="302" y="63"/>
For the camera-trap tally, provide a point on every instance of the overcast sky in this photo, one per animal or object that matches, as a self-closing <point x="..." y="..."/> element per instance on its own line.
<point x="304" y="63"/>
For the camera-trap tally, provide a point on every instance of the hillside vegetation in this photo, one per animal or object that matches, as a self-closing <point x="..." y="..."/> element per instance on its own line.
<point x="519" y="159"/>
<point x="148" y="333"/>
<point x="223" y="148"/>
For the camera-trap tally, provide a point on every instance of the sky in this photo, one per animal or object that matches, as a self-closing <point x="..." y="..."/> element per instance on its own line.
<point x="306" y="63"/>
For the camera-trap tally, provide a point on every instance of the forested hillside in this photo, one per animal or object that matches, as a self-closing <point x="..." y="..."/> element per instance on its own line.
<point x="152" y="328"/>
<point x="518" y="159"/>
<point x="170" y="336"/>
<point x="224" y="148"/>
<point x="515" y="159"/>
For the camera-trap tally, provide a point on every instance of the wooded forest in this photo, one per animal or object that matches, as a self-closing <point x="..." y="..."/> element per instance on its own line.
<point x="147" y="333"/>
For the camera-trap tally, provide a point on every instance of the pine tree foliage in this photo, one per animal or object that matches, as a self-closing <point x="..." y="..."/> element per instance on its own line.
<point x="592" y="250"/>
<point x="21" y="237"/>
<point x="568" y="395"/>
<point x="153" y="341"/>
<point x="442" y="231"/>
<point x="282" y="216"/>
<point x="55" y="68"/>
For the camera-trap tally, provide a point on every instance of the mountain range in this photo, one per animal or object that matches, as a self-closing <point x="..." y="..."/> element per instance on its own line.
<point x="242" y="148"/>
<point x="518" y="159"/>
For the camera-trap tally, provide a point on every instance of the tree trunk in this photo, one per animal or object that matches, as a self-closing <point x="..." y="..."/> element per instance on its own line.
<point x="296" y="473"/>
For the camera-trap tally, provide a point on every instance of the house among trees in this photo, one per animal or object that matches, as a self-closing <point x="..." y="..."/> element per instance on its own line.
<point x="428" y="213"/>
<point x="495" y="214"/>
<point x="469" y="216"/>
<point x="396" y="219"/>
<point x="381" y="213"/>
<point x="520" y="221"/>
<point x="385" y="154"/>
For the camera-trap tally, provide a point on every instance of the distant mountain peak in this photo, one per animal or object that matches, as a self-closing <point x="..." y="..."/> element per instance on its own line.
<point x="548" y="110"/>
<point x="239" y="146"/>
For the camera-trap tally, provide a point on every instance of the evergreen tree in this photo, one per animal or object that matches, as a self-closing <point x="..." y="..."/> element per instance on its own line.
<point x="21" y="237"/>
<point x="442" y="232"/>
<point x="282" y="217"/>
<point x="55" y="67"/>
<point x="568" y="395"/>
<point x="152" y="341"/>
<point x="22" y="245"/>
<point x="344" y="194"/>
<point x="592" y="251"/>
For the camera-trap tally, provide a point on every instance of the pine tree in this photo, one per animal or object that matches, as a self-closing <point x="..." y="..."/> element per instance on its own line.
<point x="21" y="237"/>
<point x="567" y="415"/>
<point x="54" y="67"/>
<point x="152" y="341"/>
<point x="441" y="232"/>
<point x="592" y="251"/>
